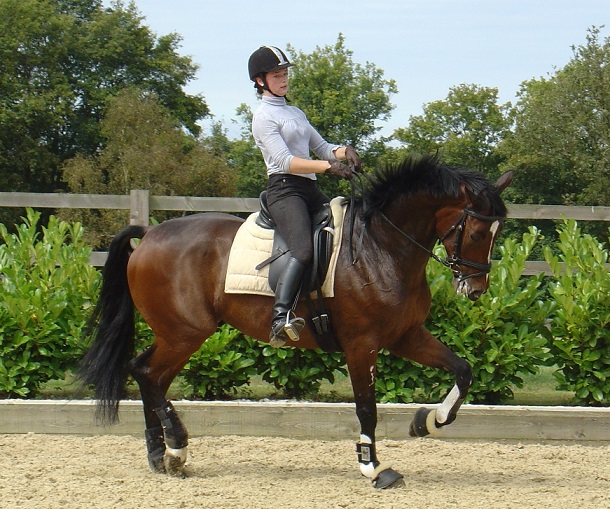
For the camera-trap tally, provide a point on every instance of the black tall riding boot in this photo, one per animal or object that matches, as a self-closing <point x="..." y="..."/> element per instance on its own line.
<point x="282" y="326"/>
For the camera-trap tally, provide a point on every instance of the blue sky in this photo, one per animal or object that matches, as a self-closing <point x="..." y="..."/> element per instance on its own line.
<point x="426" y="46"/>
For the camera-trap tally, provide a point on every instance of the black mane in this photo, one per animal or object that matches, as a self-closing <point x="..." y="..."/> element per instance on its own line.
<point x="425" y="174"/>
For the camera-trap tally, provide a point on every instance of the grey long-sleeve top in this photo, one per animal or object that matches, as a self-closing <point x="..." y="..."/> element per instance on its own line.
<point x="283" y="132"/>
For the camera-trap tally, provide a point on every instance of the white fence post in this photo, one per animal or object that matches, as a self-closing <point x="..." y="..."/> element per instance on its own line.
<point x="139" y="209"/>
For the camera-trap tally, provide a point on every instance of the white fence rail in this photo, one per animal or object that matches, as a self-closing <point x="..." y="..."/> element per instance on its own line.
<point x="139" y="203"/>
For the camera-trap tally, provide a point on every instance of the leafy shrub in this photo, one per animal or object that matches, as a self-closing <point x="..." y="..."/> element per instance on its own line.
<point x="228" y="360"/>
<point x="46" y="289"/>
<point x="581" y="323"/>
<point x="403" y="381"/>
<point x="217" y="369"/>
<point x="502" y="335"/>
<point x="298" y="373"/>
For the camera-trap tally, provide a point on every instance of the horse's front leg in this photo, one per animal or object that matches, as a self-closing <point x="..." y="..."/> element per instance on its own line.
<point x="362" y="369"/>
<point x="424" y="348"/>
<point x="166" y="436"/>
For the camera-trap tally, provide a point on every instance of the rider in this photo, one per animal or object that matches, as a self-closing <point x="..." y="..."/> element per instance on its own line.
<point x="286" y="138"/>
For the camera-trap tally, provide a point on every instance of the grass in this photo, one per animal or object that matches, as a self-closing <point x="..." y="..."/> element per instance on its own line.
<point x="538" y="389"/>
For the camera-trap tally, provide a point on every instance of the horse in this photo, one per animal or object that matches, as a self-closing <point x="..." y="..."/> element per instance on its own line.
<point x="175" y="276"/>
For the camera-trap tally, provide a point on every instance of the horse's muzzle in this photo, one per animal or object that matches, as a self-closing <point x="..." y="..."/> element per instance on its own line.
<point x="469" y="287"/>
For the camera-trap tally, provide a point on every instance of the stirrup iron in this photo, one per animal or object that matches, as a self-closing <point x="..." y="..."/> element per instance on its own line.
<point x="290" y="330"/>
<point x="293" y="328"/>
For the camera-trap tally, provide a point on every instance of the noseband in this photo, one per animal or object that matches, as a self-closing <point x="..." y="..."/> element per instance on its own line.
<point x="455" y="261"/>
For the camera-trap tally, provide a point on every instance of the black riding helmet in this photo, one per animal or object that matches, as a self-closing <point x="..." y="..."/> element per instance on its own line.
<point x="266" y="59"/>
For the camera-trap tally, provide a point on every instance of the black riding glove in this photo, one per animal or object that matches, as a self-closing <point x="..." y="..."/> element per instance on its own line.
<point x="340" y="169"/>
<point x="353" y="159"/>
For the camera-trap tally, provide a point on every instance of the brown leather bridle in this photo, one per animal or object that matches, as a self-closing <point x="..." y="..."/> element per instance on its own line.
<point x="454" y="262"/>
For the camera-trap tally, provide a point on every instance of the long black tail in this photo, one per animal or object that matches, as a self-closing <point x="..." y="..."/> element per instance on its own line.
<point x="112" y="327"/>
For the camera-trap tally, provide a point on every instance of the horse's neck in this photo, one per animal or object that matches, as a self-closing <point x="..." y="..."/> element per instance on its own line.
<point x="399" y="243"/>
<point x="408" y="223"/>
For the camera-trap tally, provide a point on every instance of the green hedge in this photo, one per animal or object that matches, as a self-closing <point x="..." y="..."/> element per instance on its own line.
<point x="46" y="292"/>
<point x="502" y="335"/>
<point x="47" y="289"/>
<point x="580" y="343"/>
<point x="215" y="372"/>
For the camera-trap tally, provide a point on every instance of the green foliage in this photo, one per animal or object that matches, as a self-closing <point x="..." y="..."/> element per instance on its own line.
<point x="144" y="148"/>
<point x="242" y="155"/>
<point x="344" y="100"/>
<point x="562" y="131"/>
<point x="465" y="128"/>
<point x="228" y="359"/>
<point x="217" y="369"/>
<point x="402" y="381"/>
<point x="298" y="373"/>
<point x="61" y="61"/>
<point x="502" y="335"/>
<point x="46" y="290"/>
<point x="581" y="322"/>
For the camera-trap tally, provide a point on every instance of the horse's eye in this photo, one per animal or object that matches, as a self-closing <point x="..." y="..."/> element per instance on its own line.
<point x="477" y="236"/>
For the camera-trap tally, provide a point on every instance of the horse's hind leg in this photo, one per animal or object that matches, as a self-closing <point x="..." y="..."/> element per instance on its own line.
<point x="429" y="351"/>
<point x="166" y="437"/>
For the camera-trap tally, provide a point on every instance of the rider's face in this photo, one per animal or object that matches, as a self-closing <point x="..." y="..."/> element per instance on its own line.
<point x="277" y="81"/>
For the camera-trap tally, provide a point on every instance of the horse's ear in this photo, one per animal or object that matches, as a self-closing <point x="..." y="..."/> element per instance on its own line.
<point x="504" y="181"/>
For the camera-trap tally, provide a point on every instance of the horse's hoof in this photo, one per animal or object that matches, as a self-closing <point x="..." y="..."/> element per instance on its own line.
<point x="156" y="463"/>
<point x="174" y="467"/>
<point x="388" y="479"/>
<point x="423" y="423"/>
<point x="174" y="461"/>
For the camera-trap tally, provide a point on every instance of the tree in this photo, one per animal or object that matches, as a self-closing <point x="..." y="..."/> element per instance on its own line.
<point x="465" y="128"/>
<point x="145" y="147"/>
<point x="561" y="142"/>
<point x="60" y="61"/>
<point x="242" y="155"/>
<point x="344" y="100"/>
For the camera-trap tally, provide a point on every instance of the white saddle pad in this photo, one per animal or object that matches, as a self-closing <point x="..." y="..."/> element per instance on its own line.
<point x="253" y="244"/>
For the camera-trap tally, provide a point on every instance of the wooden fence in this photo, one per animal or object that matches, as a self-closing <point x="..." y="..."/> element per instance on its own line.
<point x="139" y="203"/>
